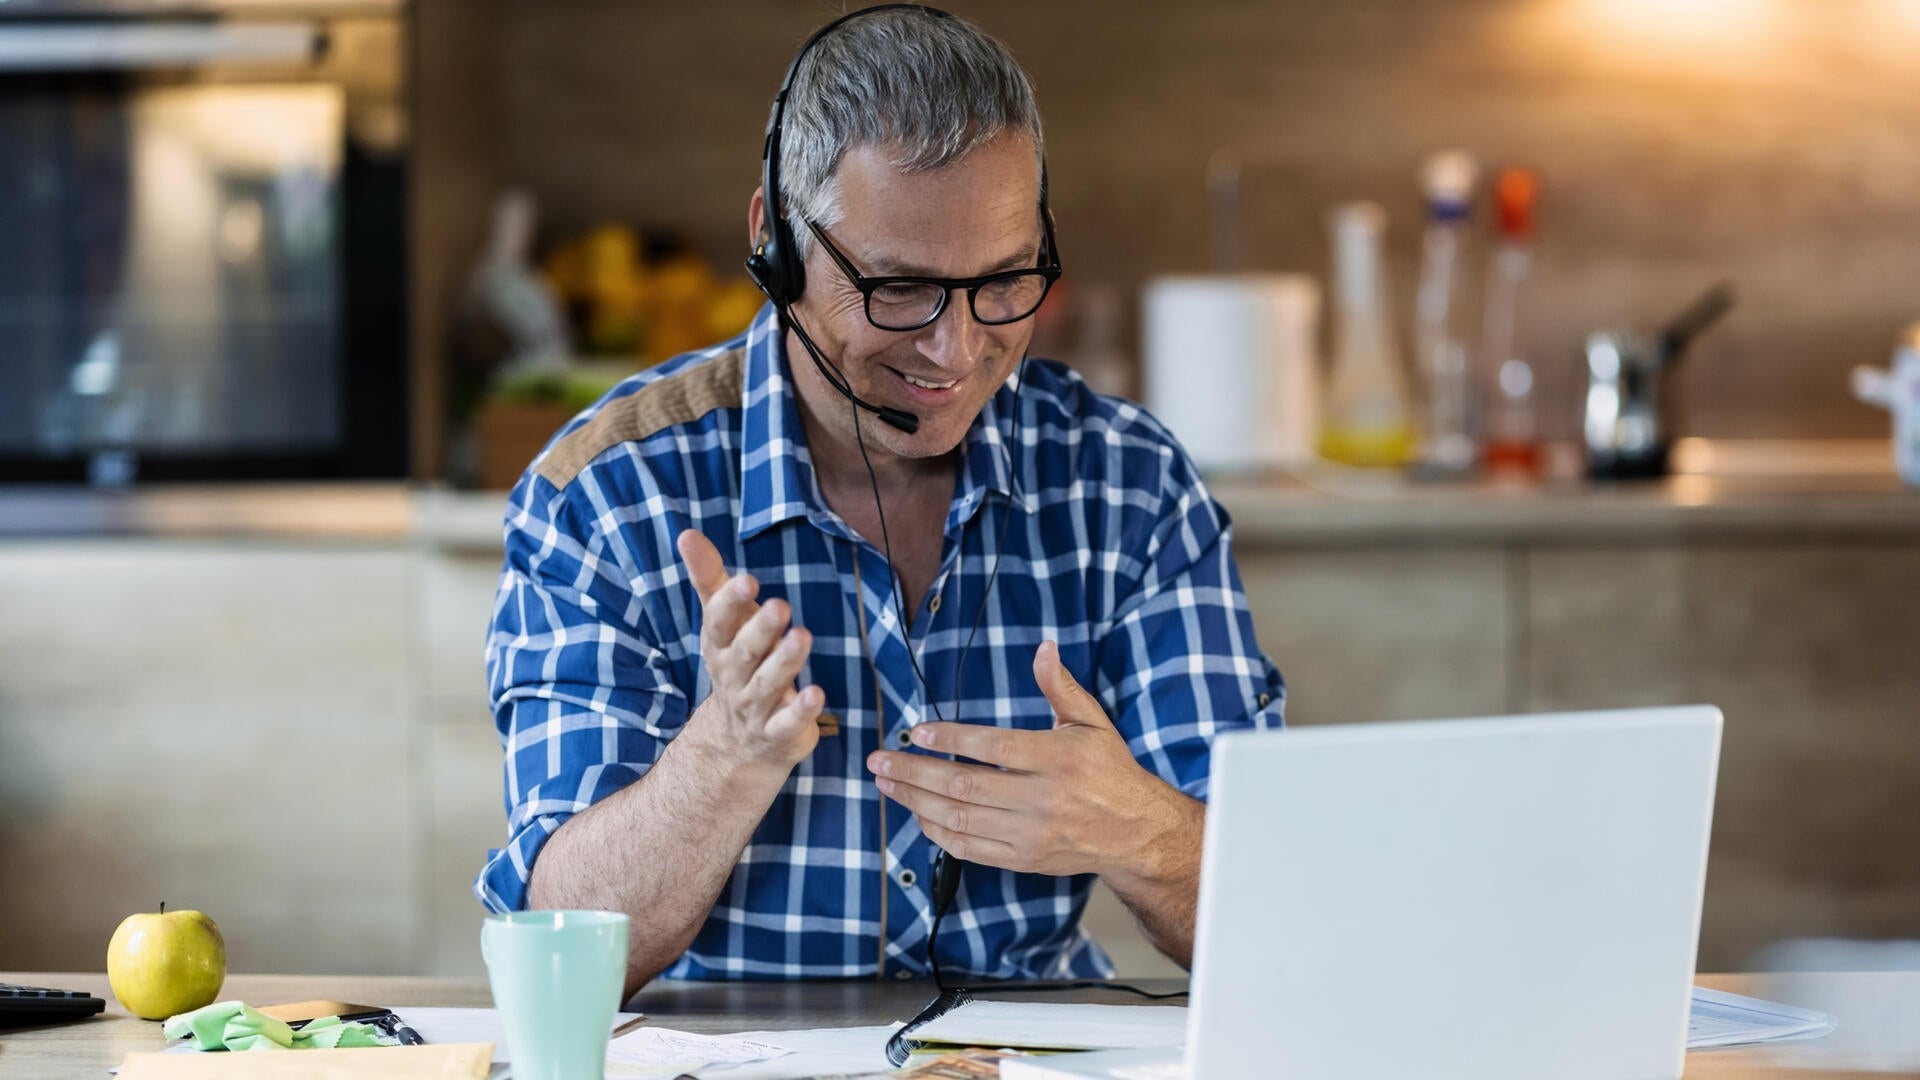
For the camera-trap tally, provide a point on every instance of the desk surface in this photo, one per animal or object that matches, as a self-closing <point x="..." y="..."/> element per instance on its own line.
<point x="1879" y="1034"/>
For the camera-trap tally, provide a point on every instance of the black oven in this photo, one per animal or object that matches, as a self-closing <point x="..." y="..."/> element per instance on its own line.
<point x="202" y="241"/>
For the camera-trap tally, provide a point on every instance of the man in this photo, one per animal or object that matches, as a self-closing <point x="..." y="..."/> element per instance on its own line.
<point x="721" y="712"/>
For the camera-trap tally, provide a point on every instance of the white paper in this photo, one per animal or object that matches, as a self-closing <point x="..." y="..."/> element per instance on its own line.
<point x="1721" y="1019"/>
<point x="816" y="1052"/>
<point x="1024" y="1026"/>
<point x="666" y="1052"/>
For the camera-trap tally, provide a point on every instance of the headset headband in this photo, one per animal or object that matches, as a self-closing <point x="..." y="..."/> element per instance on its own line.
<point x="772" y="265"/>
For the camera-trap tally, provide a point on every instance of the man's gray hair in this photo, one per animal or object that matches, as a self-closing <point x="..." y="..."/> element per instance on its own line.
<point x="929" y="90"/>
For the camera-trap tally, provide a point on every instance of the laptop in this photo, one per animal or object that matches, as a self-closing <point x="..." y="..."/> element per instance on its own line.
<point x="1487" y="898"/>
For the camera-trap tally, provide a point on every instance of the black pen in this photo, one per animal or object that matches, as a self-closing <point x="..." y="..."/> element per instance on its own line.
<point x="395" y="1027"/>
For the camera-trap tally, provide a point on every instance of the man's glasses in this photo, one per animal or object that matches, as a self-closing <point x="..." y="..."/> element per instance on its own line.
<point x="909" y="303"/>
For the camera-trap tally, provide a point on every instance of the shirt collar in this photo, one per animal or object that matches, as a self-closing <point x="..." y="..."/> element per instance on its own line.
<point x="777" y="481"/>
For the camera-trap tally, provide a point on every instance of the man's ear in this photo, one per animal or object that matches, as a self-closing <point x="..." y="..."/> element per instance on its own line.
<point x="756" y="215"/>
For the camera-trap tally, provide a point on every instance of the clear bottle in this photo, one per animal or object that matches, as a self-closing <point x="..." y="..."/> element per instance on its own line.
<point x="1447" y="447"/>
<point x="1512" y="433"/>
<point x="1367" y="418"/>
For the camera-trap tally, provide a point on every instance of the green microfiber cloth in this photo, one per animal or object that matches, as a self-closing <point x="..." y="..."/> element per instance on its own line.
<point x="232" y="1025"/>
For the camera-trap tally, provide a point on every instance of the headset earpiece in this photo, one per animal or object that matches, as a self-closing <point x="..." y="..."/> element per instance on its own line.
<point x="771" y="266"/>
<point x="765" y="275"/>
<point x="776" y="249"/>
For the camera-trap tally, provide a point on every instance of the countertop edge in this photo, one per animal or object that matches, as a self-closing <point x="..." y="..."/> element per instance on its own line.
<point x="1264" y="515"/>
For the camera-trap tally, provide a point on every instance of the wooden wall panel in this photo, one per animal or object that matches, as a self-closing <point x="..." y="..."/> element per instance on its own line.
<point x="1768" y="143"/>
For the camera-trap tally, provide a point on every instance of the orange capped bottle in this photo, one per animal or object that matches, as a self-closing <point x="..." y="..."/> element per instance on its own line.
<point x="1512" y="444"/>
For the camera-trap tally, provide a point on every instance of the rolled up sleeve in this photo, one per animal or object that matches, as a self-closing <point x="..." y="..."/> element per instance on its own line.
<point x="1179" y="663"/>
<point x="583" y="697"/>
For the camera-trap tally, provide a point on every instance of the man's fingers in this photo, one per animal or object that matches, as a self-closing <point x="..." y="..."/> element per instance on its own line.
<point x="732" y="605"/>
<point x="776" y="673"/>
<point x="1071" y="702"/>
<point x="1009" y="748"/>
<point x="968" y="783"/>
<point x="756" y="639"/>
<point x="802" y="710"/>
<point x="727" y="602"/>
<point x="954" y="814"/>
<point x="703" y="563"/>
<point x="976" y="849"/>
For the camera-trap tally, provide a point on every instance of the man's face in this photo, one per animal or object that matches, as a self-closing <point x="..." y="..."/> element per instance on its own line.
<point x="973" y="217"/>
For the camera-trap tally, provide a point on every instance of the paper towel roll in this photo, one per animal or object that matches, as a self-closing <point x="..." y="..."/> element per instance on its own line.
<point x="1231" y="366"/>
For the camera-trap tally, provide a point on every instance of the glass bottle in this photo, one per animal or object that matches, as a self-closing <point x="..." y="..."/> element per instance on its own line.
<point x="1367" y="418"/>
<point x="1512" y="433"/>
<point x="1447" y="446"/>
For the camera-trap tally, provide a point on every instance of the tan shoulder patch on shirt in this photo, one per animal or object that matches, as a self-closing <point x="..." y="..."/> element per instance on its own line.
<point x="677" y="399"/>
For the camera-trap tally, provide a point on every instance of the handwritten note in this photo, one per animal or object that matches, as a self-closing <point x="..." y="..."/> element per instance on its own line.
<point x="651" y="1051"/>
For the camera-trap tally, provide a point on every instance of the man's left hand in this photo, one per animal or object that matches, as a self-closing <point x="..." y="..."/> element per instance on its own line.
<point x="1067" y="801"/>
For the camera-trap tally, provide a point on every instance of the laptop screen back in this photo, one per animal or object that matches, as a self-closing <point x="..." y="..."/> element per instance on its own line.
<point x="1481" y="898"/>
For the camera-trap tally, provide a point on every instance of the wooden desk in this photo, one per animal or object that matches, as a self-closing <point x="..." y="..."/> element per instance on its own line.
<point x="1879" y="1035"/>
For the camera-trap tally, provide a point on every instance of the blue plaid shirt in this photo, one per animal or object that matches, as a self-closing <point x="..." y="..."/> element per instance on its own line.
<point x="1113" y="548"/>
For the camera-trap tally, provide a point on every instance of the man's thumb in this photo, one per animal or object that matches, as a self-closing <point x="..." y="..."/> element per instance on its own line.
<point x="1071" y="702"/>
<point x="703" y="562"/>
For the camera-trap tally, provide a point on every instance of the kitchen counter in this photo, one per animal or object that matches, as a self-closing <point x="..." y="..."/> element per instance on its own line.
<point x="294" y="510"/>
<point x="1824" y="490"/>
<point x="1389" y="511"/>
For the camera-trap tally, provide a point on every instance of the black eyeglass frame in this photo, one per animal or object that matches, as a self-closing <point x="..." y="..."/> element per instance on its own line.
<point x="868" y="285"/>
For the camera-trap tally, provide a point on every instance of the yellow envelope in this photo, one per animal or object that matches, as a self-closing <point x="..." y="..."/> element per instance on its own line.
<point x="452" y="1061"/>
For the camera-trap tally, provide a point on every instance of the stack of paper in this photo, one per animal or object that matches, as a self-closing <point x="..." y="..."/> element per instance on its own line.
<point x="1722" y="1019"/>
<point x="1716" y="1019"/>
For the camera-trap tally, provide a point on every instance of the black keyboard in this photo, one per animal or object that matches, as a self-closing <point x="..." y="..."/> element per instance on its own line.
<point x="21" y="1006"/>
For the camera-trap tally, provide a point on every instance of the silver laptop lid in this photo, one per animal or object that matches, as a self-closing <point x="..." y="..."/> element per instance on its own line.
<point x="1506" y="897"/>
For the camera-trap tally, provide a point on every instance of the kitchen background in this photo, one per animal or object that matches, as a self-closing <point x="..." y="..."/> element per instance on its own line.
<point x="1765" y="142"/>
<point x="265" y="699"/>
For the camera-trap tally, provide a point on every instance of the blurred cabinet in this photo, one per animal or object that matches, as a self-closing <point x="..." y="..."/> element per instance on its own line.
<point x="1811" y="649"/>
<point x="1384" y="634"/>
<point x="1813" y="652"/>
<point x="208" y="725"/>
<point x="466" y="808"/>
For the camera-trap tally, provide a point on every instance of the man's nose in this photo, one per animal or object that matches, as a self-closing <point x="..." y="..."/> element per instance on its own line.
<point x="956" y="340"/>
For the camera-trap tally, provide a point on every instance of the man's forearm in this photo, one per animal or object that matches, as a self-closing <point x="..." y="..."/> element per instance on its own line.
<point x="1163" y="891"/>
<point x="659" y="849"/>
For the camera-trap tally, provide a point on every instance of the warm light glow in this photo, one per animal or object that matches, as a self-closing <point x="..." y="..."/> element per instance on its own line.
<point x="1667" y="36"/>
<point x="1693" y="490"/>
<point x="1677" y="21"/>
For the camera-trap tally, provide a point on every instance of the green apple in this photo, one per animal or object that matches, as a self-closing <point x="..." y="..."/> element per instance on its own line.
<point x="166" y="964"/>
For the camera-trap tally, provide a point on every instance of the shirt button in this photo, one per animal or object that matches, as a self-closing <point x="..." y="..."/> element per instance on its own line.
<point x="908" y="877"/>
<point x="903" y="738"/>
<point x="1264" y="698"/>
<point x="933" y="606"/>
<point x="903" y="974"/>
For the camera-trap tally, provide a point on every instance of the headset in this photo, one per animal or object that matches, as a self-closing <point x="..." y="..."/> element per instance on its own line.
<point x="775" y="266"/>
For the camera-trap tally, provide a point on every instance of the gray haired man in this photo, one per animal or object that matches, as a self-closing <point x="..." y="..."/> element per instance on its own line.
<point x="734" y="659"/>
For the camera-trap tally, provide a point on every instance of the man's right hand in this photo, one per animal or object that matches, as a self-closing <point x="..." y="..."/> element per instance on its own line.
<point x="752" y="659"/>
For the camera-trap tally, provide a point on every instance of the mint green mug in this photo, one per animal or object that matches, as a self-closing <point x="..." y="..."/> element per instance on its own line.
<point x="556" y="978"/>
